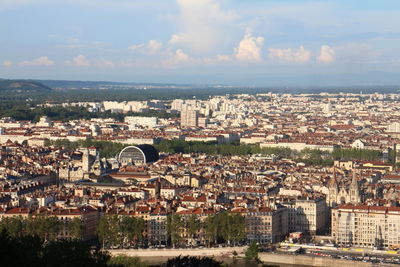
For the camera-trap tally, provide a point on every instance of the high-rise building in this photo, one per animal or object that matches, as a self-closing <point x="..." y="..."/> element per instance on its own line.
<point x="394" y="127"/>
<point x="189" y="118"/>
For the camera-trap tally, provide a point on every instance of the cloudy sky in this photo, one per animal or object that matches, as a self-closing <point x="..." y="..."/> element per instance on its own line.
<point x="254" y="42"/>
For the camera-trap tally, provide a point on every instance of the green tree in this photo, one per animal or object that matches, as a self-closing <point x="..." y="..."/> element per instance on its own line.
<point x="174" y="224"/>
<point x="252" y="251"/>
<point x="76" y="228"/>
<point x="193" y="226"/>
<point x="109" y="231"/>
<point x="210" y="229"/>
<point x="125" y="261"/>
<point x="14" y="226"/>
<point x="192" y="261"/>
<point x="237" y="228"/>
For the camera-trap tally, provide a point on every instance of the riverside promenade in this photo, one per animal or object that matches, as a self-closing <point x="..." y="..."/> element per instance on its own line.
<point x="170" y="253"/>
<point x="227" y="252"/>
<point x="308" y="260"/>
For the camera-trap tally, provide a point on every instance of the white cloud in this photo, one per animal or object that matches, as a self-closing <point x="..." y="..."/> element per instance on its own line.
<point x="7" y="63"/>
<point x="179" y="57"/>
<point x="151" y="48"/>
<point x="249" y="48"/>
<point x="204" y="25"/>
<point x="79" y="61"/>
<point x="326" y="55"/>
<point x="300" y="55"/>
<point x="40" y="61"/>
<point x="105" y="63"/>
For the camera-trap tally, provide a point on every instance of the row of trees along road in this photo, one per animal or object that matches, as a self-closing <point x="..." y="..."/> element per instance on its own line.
<point x="114" y="230"/>
<point x="224" y="227"/>
<point x="47" y="228"/>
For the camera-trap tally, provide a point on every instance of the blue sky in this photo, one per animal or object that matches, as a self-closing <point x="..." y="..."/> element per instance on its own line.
<point x="254" y="42"/>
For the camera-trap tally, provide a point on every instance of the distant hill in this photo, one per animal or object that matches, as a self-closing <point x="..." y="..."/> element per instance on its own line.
<point x="63" y="84"/>
<point x="12" y="86"/>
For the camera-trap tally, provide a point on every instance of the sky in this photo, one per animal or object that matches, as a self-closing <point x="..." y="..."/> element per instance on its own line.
<point x="232" y="42"/>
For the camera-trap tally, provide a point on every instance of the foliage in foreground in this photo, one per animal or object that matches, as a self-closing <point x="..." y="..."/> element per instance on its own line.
<point x="192" y="261"/>
<point x="126" y="261"/>
<point x="32" y="251"/>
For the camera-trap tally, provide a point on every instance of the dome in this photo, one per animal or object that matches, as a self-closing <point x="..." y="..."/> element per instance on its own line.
<point x="139" y="154"/>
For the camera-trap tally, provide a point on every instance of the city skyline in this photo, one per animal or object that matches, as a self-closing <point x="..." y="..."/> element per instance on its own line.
<point x="230" y="42"/>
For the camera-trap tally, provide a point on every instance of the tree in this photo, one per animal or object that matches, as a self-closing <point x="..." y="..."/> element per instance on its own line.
<point x="32" y="251"/>
<point x="75" y="228"/>
<point x="72" y="253"/>
<point x="140" y="227"/>
<point x="174" y="224"/>
<point x="50" y="226"/>
<point x="192" y="261"/>
<point x="125" y="261"/>
<point x="109" y="230"/>
<point x="237" y="229"/>
<point x="193" y="225"/>
<point x="210" y="228"/>
<point x="251" y="252"/>
<point x="127" y="227"/>
<point x="14" y="226"/>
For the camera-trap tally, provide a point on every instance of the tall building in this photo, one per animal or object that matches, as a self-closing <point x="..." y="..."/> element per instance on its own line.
<point x="366" y="226"/>
<point x="189" y="118"/>
<point x="394" y="127"/>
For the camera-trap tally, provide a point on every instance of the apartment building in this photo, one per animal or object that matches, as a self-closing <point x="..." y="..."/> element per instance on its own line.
<point x="189" y="118"/>
<point x="306" y="214"/>
<point x="265" y="225"/>
<point x="366" y="226"/>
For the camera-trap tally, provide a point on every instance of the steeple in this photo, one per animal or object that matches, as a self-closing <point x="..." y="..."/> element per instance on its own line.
<point x="354" y="182"/>
<point x="333" y="184"/>
<point x="354" y="190"/>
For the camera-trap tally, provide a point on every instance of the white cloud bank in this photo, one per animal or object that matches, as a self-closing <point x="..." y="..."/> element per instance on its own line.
<point x="300" y="55"/>
<point x="151" y="48"/>
<point x="79" y="61"/>
<point x="7" y="63"/>
<point x="40" y="61"/>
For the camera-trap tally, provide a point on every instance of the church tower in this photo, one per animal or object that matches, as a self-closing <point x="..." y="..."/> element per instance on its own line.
<point x="354" y="190"/>
<point x="85" y="160"/>
<point x="333" y="189"/>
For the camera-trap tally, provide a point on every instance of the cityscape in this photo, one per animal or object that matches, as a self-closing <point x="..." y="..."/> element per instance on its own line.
<point x="208" y="133"/>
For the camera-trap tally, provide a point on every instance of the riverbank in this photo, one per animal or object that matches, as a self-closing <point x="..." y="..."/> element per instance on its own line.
<point x="201" y="252"/>
<point x="310" y="260"/>
<point x="157" y="256"/>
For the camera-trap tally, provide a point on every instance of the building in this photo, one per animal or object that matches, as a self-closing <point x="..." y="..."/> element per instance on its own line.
<point x="306" y="214"/>
<point x="189" y="118"/>
<point x="341" y="193"/>
<point x="136" y="121"/>
<point x="82" y="165"/>
<point x="394" y="127"/>
<point x="140" y="154"/>
<point x="366" y="226"/>
<point x="265" y="225"/>
<point x="157" y="227"/>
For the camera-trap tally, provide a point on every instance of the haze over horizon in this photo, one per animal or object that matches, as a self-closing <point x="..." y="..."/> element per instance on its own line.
<point x="253" y="43"/>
